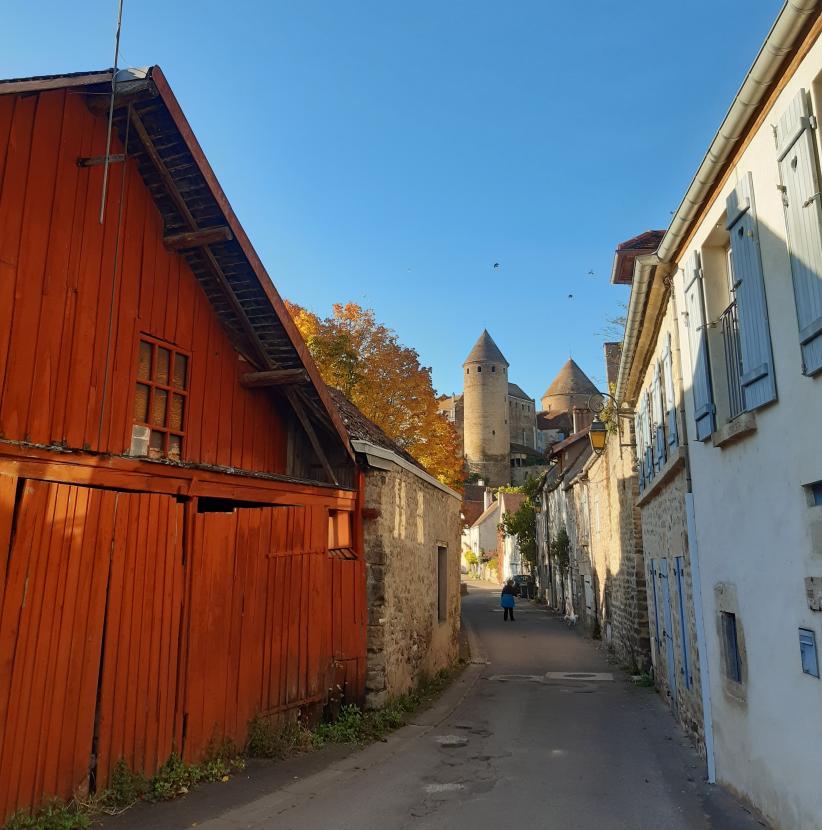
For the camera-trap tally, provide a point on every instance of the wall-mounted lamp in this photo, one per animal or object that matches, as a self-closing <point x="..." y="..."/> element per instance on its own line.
<point x="598" y="432"/>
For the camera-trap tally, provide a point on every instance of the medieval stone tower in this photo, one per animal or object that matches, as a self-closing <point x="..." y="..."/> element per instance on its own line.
<point x="486" y="428"/>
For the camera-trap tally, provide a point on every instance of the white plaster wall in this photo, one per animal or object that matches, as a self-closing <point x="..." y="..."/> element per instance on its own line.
<point x="754" y="530"/>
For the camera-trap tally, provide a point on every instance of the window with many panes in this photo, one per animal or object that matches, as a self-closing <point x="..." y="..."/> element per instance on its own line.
<point x="161" y="397"/>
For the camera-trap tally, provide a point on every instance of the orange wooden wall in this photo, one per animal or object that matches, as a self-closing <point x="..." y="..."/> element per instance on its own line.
<point x="57" y="267"/>
<point x="132" y="626"/>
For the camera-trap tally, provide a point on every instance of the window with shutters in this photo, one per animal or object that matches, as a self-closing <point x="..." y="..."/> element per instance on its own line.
<point x="160" y="399"/>
<point x="797" y="157"/>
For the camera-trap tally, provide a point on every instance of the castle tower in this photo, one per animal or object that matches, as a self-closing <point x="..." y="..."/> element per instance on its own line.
<point x="570" y="392"/>
<point x="485" y="401"/>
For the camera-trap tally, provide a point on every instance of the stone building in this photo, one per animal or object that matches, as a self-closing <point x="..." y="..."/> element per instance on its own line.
<point x="592" y="498"/>
<point x="742" y="265"/>
<point x="649" y="382"/>
<point x="504" y="437"/>
<point x="411" y="530"/>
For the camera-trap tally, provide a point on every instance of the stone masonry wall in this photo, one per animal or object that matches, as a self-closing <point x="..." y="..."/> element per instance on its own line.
<point x="665" y="537"/>
<point x="407" y="520"/>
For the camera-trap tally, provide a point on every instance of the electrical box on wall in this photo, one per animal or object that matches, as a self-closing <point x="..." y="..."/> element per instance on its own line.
<point x="807" y="651"/>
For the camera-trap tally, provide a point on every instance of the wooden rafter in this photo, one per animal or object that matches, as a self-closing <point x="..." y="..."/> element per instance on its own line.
<point x="197" y="239"/>
<point x="273" y="377"/>
<point x="188" y="218"/>
<point x="297" y="406"/>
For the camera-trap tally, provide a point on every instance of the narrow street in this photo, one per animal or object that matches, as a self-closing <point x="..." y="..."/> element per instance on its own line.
<point x="508" y="744"/>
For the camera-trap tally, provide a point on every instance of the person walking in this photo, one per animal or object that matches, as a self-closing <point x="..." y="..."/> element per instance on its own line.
<point x="507" y="600"/>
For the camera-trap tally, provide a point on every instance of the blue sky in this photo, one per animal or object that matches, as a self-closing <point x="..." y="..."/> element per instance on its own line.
<point x="390" y="153"/>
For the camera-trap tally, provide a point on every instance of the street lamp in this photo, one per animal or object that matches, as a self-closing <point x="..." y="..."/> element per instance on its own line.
<point x="598" y="436"/>
<point x="598" y="432"/>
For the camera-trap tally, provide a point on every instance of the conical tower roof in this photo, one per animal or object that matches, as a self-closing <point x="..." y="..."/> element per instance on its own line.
<point x="485" y="350"/>
<point x="571" y="380"/>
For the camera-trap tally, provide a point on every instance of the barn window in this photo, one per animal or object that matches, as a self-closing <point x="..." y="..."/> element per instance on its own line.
<point x="160" y="400"/>
<point x="340" y="535"/>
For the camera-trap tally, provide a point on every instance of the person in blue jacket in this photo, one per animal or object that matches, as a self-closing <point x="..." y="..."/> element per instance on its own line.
<point x="507" y="600"/>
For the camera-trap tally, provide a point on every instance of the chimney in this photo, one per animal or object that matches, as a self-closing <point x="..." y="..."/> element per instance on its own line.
<point x="487" y="498"/>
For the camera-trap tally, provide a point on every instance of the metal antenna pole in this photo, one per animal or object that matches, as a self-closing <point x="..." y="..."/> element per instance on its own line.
<point x="111" y="108"/>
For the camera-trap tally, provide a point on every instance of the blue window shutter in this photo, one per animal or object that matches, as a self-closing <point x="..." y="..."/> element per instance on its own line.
<point x="658" y="408"/>
<point x="649" y="442"/>
<point x="670" y="394"/>
<point x="758" y="384"/>
<point x="640" y="453"/>
<point x="798" y="171"/>
<point x="683" y="625"/>
<point x="704" y="410"/>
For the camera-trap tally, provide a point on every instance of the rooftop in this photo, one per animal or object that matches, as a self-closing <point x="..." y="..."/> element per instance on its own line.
<point x="485" y="350"/>
<point x="571" y="380"/>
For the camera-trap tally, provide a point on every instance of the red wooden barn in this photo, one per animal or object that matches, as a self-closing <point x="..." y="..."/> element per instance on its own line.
<point x="180" y="544"/>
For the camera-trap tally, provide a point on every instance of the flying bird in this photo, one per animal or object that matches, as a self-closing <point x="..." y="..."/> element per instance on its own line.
<point x="570" y="296"/>
<point x="496" y="266"/>
<point x="590" y="273"/>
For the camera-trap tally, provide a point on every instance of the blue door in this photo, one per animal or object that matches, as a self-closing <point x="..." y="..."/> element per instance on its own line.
<point x="668" y="630"/>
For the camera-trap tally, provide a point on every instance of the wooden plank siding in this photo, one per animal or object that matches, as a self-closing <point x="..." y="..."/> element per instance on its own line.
<point x="65" y="279"/>
<point x="145" y="607"/>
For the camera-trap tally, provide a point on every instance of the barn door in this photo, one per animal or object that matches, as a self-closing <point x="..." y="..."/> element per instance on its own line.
<point x="89" y="597"/>
<point x="668" y="630"/>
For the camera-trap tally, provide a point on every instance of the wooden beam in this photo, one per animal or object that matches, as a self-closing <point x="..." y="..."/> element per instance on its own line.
<point x="296" y="405"/>
<point x="174" y="194"/>
<point x="273" y="377"/>
<point x="197" y="239"/>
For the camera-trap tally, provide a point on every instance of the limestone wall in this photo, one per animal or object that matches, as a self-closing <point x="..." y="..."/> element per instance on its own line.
<point x="408" y="520"/>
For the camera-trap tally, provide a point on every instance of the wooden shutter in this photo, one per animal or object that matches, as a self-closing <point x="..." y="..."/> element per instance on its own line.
<point x="640" y="451"/>
<point x="658" y="408"/>
<point x="704" y="410"/>
<point x="670" y="395"/>
<point x="799" y="175"/>
<point x="757" y="381"/>
<point x="649" y="441"/>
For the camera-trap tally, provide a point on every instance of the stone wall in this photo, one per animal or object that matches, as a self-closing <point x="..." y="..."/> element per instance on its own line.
<point x="407" y="519"/>
<point x="665" y="537"/>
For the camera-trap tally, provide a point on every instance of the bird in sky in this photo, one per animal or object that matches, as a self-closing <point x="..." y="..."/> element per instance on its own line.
<point x="590" y="273"/>
<point x="496" y="266"/>
<point x="570" y="296"/>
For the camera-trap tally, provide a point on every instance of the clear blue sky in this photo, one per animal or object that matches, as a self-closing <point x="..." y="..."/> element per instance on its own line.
<point x="390" y="152"/>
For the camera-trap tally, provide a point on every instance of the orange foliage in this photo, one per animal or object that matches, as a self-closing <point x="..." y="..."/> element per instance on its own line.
<point x="384" y="379"/>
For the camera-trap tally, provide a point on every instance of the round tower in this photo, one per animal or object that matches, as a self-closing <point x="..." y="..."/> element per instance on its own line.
<point x="485" y="406"/>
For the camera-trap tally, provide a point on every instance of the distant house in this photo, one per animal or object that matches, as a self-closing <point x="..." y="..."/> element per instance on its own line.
<point x="483" y="535"/>
<point x="411" y="541"/>
<point x="508" y="551"/>
<point x="180" y="532"/>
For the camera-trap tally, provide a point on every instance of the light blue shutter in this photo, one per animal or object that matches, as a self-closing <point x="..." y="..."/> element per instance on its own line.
<point x="640" y="451"/>
<point x="658" y="408"/>
<point x="798" y="171"/>
<point x="758" y="385"/>
<point x="670" y="395"/>
<point x="649" y="441"/>
<point x="704" y="410"/>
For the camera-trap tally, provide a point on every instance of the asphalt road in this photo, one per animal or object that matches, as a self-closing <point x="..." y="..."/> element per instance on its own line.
<point x="512" y="743"/>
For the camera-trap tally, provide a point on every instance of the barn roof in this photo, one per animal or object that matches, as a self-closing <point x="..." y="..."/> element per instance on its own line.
<point x="484" y="350"/>
<point x="150" y="122"/>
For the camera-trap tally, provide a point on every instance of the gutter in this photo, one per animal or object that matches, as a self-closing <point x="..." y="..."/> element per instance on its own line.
<point x="789" y="25"/>
<point x="382" y="459"/>
<point x="781" y="39"/>
<point x="644" y="266"/>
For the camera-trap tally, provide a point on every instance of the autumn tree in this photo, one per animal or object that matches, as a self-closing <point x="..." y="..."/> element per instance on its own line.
<point x="384" y="379"/>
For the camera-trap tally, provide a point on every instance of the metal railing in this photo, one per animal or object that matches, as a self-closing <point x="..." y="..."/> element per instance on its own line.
<point x="733" y="359"/>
